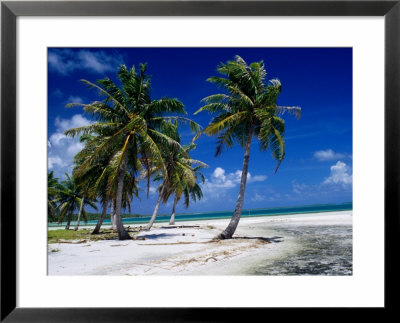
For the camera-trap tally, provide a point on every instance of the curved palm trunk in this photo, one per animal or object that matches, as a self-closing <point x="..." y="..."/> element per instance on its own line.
<point x="112" y="216"/>
<point x="79" y="214"/>
<point x="101" y="219"/>
<point x="153" y="217"/>
<point x="172" y="220"/>
<point x="231" y="228"/>
<point x="122" y="234"/>
<point x="68" y="221"/>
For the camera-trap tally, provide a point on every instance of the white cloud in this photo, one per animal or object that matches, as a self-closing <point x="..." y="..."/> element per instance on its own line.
<point x="340" y="174"/>
<point x="337" y="184"/>
<point x="257" y="197"/>
<point x="65" y="61"/>
<point x="53" y="161"/>
<point x="74" y="148"/>
<point x="56" y="139"/>
<point x="60" y="62"/>
<point x="74" y="99"/>
<point x="62" y="149"/>
<point x="222" y="180"/>
<point x="298" y="188"/>
<point x="328" y="154"/>
<point x="153" y="189"/>
<point x="275" y="197"/>
<point x="257" y="178"/>
<point x="76" y="121"/>
<point x="98" y="61"/>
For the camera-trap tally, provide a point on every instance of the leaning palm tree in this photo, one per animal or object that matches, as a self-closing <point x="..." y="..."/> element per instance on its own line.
<point x="189" y="189"/>
<point x="128" y="123"/>
<point x="248" y="108"/>
<point x="178" y="172"/>
<point x="189" y="192"/>
<point x="70" y="198"/>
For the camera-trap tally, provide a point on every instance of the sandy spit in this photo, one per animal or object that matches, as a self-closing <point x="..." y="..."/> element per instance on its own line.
<point x="187" y="249"/>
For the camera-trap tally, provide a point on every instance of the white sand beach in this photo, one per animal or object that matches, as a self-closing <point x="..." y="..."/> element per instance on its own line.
<point x="188" y="247"/>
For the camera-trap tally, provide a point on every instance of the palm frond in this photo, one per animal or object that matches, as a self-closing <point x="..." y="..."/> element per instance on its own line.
<point x="194" y="126"/>
<point x="229" y="121"/>
<point x="166" y="105"/>
<point x="93" y="128"/>
<point x="296" y="111"/>
<point x="108" y="95"/>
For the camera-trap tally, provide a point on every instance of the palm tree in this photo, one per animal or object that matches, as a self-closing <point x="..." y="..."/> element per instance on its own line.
<point x="96" y="179"/>
<point x="52" y="190"/>
<point x="190" y="192"/>
<point x="178" y="172"/>
<point x="87" y="178"/>
<point x="70" y="198"/>
<point x="130" y="189"/>
<point x="248" y="108"/>
<point x="128" y="123"/>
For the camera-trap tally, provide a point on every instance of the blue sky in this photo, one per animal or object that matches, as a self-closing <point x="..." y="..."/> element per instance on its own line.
<point x="318" y="163"/>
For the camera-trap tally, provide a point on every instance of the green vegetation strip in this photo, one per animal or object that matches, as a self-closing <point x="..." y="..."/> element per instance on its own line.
<point x="67" y="236"/>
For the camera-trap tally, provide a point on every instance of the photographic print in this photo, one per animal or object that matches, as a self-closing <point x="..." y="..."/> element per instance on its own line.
<point x="200" y="161"/>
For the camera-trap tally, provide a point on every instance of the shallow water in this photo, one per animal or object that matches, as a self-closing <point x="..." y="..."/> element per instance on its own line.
<point x="309" y="250"/>
<point x="278" y="211"/>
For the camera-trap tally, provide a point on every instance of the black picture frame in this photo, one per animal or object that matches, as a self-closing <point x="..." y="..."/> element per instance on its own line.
<point x="10" y="10"/>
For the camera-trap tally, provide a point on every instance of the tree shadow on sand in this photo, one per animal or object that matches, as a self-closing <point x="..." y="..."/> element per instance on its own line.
<point x="264" y="239"/>
<point x="156" y="236"/>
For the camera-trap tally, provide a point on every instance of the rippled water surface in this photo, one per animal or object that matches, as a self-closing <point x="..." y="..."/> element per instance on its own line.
<point x="310" y="250"/>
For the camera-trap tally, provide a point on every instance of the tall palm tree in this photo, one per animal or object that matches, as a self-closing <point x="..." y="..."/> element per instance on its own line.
<point x="248" y="108"/>
<point x="178" y="172"/>
<point x="130" y="189"/>
<point x="70" y="198"/>
<point x="128" y="123"/>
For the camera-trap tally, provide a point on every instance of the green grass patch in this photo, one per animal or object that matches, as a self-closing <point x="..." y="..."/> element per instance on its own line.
<point x="62" y="235"/>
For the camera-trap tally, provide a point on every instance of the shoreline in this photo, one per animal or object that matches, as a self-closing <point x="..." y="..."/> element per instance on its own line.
<point x="263" y="218"/>
<point x="189" y="249"/>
